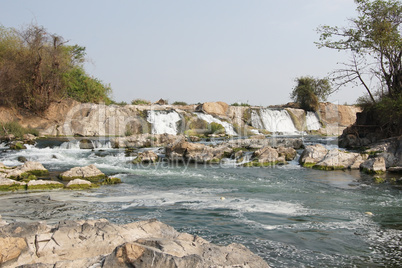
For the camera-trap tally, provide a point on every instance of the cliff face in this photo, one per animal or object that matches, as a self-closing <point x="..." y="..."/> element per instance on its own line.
<point x="68" y="118"/>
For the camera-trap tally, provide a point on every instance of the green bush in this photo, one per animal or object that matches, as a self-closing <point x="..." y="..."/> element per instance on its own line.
<point x="16" y="129"/>
<point x="181" y="103"/>
<point x="140" y="102"/>
<point x="240" y="104"/>
<point x="216" y="128"/>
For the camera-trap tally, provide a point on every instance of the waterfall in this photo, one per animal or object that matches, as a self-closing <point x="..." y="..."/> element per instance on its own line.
<point x="163" y="121"/>
<point x="273" y="120"/>
<point x="209" y="119"/>
<point x="312" y="122"/>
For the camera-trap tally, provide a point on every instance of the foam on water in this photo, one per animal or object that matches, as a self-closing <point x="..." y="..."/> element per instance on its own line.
<point x="209" y="119"/>
<point x="163" y="121"/>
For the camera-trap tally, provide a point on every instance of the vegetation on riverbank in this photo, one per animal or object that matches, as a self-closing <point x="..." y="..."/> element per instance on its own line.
<point x="38" y="67"/>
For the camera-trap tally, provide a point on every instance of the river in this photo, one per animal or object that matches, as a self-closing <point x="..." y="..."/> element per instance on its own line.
<point x="289" y="215"/>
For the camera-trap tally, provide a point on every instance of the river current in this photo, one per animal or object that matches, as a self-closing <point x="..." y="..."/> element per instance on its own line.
<point x="289" y="215"/>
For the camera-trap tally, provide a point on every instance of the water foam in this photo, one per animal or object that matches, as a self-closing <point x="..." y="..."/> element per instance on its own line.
<point x="163" y="122"/>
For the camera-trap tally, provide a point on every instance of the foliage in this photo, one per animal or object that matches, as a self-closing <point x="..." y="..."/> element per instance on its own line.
<point x="240" y="104"/>
<point x="216" y="128"/>
<point x="375" y="43"/>
<point x="181" y="103"/>
<point x="140" y="102"/>
<point x="16" y="129"/>
<point x="38" y="67"/>
<point x="309" y="91"/>
<point x="84" y="88"/>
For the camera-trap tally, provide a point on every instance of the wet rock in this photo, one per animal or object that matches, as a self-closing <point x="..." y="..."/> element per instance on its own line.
<point x="17" y="145"/>
<point x="138" y="244"/>
<point x="29" y="138"/>
<point x="390" y="149"/>
<point x="44" y="185"/>
<point x="146" y="140"/>
<point x="78" y="184"/>
<point x="86" y="144"/>
<point x="90" y="173"/>
<point x="22" y="159"/>
<point x="146" y="157"/>
<point x="197" y="152"/>
<point x="287" y="152"/>
<point x="28" y="168"/>
<point x="258" y="143"/>
<point x="374" y="165"/>
<point x="10" y="185"/>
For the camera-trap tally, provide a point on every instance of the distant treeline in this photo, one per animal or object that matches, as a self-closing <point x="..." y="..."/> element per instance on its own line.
<point x="37" y="67"/>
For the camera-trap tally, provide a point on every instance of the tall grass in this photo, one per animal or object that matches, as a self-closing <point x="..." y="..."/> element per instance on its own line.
<point x="16" y="129"/>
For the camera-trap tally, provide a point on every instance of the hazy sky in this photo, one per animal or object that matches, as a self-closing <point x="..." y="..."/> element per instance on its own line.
<point x="195" y="51"/>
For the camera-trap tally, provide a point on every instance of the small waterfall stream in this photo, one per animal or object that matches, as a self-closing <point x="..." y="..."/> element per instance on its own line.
<point x="209" y="119"/>
<point x="312" y="122"/>
<point x="273" y="120"/>
<point x="163" y="121"/>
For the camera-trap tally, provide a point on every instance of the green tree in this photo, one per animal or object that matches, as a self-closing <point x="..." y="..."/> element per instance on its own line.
<point x="309" y="91"/>
<point x="37" y="68"/>
<point x="375" y="43"/>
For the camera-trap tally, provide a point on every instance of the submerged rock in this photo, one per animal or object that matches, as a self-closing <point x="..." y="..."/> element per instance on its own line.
<point x="99" y="243"/>
<point x="86" y="144"/>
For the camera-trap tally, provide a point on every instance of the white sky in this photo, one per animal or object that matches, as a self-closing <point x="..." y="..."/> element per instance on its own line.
<point x="195" y="51"/>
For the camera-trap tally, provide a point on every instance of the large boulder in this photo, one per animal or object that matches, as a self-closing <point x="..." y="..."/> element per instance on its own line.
<point x="90" y="173"/>
<point x="98" y="243"/>
<point x="312" y="155"/>
<point x="214" y="108"/>
<point x="318" y="157"/>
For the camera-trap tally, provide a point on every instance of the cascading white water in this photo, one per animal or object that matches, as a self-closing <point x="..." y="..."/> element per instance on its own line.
<point x="312" y="122"/>
<point x="209" y="119"/>
<point x="273" y="120"/>
<point x="163" y="121"/>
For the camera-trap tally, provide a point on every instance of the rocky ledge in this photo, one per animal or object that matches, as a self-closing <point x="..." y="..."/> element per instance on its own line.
<point x="99" y="243"/>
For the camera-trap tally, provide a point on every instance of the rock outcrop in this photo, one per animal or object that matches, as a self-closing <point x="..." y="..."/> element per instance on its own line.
<point x="98" y="243"/>
<point x="146" y="140"/>
<point x="196" y="152"/>
<point x="89" y="173"/>
<point x="374" y="165"/>
<point x="23" y="171"/>
<point x="146" y="157"/>
<point x="219" y="108"/>
<point x="318" y="157"/>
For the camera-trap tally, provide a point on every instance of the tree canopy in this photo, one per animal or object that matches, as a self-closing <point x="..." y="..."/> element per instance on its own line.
<point x="309" y="91"/>
<point x="37" y="68"/>
<point x="375" y="43"/>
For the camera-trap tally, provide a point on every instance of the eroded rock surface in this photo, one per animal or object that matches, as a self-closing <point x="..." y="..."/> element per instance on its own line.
<point x="99" y="243"/>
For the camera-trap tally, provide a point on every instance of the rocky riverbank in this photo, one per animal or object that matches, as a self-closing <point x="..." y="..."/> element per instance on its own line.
<point x="99" y="243"/>
<point x="69" y="118"/>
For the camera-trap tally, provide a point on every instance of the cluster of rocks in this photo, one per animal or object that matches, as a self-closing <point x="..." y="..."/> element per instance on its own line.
<point x="318" y="157"/>
<point x="99" y="243"/>
<point x="25" y="177"/>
